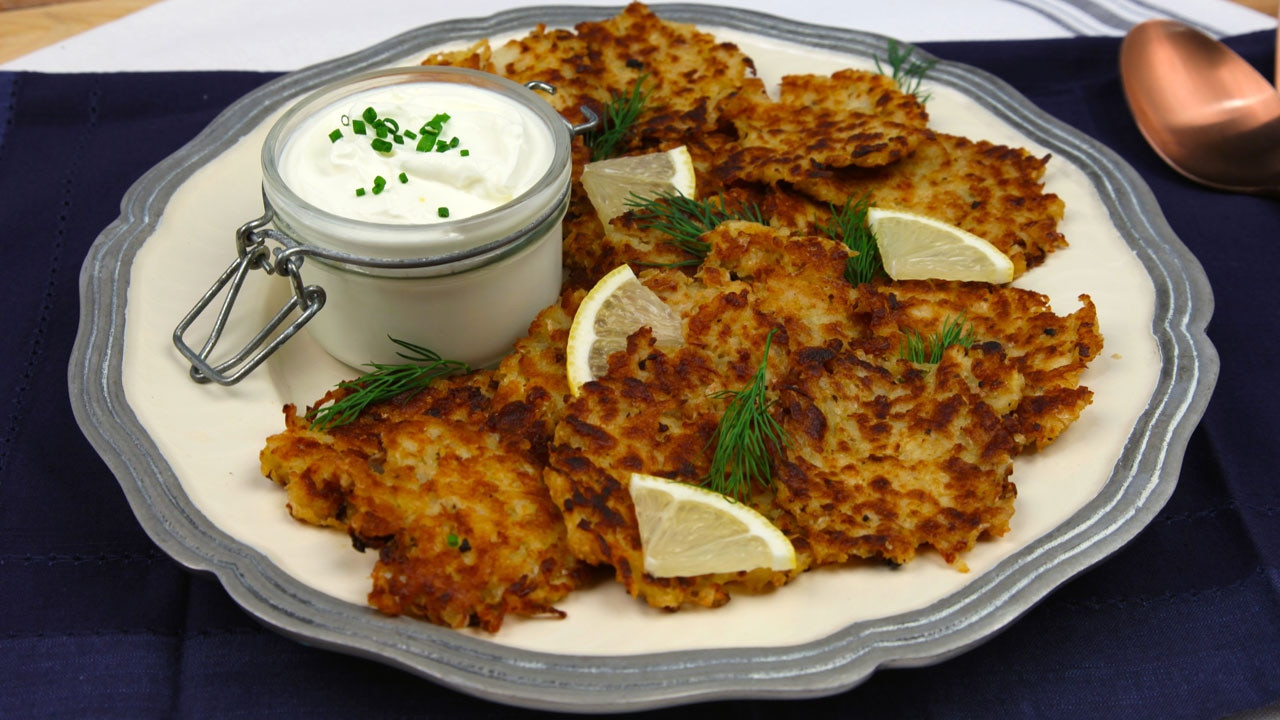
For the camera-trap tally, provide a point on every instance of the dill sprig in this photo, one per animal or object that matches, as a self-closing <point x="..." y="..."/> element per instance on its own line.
<point x="686" y="220"/>
<point x="384" y="382"/>
<point x="907" y="72"/>
<point x="744" y="437"/>
<point x="920" y="350"/>
<point x="619" y="116"/>
<point x="848" y="225"/>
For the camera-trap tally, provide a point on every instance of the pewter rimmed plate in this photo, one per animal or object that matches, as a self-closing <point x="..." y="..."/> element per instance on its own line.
<point x="186" y="455"/>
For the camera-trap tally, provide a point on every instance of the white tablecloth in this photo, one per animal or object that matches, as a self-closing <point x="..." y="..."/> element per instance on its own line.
<point x="289" y="34"/>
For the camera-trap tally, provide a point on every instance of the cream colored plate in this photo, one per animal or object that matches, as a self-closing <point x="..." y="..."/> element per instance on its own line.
<point x="187" y="454"/>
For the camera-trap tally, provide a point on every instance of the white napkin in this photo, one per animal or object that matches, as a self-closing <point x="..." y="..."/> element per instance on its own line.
<point x="289" y="34"/>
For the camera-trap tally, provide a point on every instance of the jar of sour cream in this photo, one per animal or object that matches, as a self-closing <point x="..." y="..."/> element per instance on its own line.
<point x="422" y="204"/>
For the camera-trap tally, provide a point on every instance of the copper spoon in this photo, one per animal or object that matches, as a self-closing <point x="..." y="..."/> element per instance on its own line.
<point x="1204" y="110"/>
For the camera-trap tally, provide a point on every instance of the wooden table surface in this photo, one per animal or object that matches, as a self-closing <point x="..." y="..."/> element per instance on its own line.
<point x="28" y="25"/>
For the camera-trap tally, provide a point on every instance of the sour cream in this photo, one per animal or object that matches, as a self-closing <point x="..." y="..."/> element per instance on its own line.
<point x="501" y="151"/>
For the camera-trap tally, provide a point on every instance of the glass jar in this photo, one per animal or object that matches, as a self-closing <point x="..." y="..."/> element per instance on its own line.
<point x="464" y="286"/>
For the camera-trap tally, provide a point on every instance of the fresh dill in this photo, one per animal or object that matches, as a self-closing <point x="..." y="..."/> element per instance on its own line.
<point x="744" y="437"/>
<point x="907" y="72"/>
<point x="619" y="116"/>
<point x="920" y="350"/>
<point x="685" y="220"/>
<point x="384" y="382"/>
<point x="848" y="225"/>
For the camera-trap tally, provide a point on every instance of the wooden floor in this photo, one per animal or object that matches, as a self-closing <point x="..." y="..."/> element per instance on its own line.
<point x="28" y="25"/>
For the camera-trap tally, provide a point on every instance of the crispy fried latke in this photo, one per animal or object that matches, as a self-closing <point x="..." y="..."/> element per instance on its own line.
<point x="993" y="191"/>
<point x="850" y="118"/>
<point x="596" y="61"/>
<point x="447" y="486"/>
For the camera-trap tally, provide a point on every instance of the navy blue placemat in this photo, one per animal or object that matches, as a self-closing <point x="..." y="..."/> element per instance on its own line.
<point x="95" y="621"/>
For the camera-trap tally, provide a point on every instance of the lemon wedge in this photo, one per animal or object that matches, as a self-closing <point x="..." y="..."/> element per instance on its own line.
<point x="610" y="183"/>
<point x="617" y="306"/>
<point x="687" y="530"/>
<point x="917" y="247"/>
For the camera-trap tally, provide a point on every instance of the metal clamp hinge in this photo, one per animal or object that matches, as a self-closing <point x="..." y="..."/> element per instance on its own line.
<point x="253" y="253"/>
<point x="593" y="120"/>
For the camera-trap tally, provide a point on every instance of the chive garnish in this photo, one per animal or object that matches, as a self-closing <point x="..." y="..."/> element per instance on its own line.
<point x="359" y="192"/>
<point x="381" y="146"/>
<point x="443" y="212"/>
<point x="404" y="177"/>
<point x="335" y="136"/>
<point x="464" y="152"/>
<point x="358" y="127"/>
<point x="370" y="115"/>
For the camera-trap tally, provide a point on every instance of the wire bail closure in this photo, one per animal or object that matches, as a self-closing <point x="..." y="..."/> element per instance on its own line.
<point x="252" y="253"/>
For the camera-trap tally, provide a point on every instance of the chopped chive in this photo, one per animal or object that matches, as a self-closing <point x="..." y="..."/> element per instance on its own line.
<point x="358" y="127"/>
<point x="453" y="143"/>
<point x="411" y="134"/>
<point x="452" y="540"/>
<point x="464" y="152"/>
<point x="381" y="145"/>
<point x="398" y="138"/>
<point x="442" y="212"/>
<point x="359" y="192"/>
<point x="426" y="142"/>
<point x="381" y="130"/>
<point x="391" y="125"/>
<point x="335" y="136"/>
<point x="404" y="177"/>
<point x="370" y="115"/>
<point x="441" y="146"/>
<point x="379" y="180"/>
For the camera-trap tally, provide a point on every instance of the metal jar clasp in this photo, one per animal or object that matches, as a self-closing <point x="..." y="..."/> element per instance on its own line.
<point x="252" y="254"/>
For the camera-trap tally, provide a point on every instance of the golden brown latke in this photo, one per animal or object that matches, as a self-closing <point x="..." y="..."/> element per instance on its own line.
<point x="1048" y="351"/>
<point x="596" y="61"/>
<point x="887" y="457"/>
<point x="850" y="118"/>
<point x="993" y="191"/>
<point x="447" y="485"/>
<point x="651" y="414"/>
